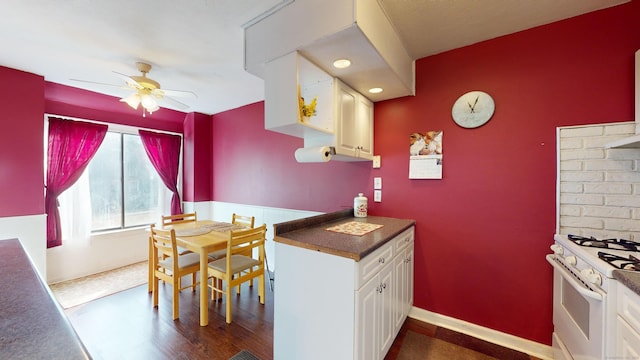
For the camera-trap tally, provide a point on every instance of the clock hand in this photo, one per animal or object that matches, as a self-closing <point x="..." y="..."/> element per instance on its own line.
<point x="474" y="104"/>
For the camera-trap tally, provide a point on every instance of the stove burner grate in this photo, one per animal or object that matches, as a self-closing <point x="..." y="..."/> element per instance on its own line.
<point x="630" y="263"/>
<point x="612" y="244"/>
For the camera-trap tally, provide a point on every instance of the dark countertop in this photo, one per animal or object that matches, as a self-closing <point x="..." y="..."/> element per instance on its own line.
<point x="310" y="233"/>
<point x="32" y="325"/>
<point x="630" y="279"/>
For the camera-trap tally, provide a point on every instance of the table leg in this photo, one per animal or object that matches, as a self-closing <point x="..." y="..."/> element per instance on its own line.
<point x="204" y="289"/>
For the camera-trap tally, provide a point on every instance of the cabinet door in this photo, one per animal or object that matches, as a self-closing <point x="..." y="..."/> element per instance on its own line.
<point x="628" y="341"/>
<point x="386" y="308"/>
<point x="354" y="136"/>
<point x="400" y="289"/>
<point x="408" y="301"/>
<point x="367" y="320"/>
<point x="346" y="107"/>
<point x="364" y="127"/>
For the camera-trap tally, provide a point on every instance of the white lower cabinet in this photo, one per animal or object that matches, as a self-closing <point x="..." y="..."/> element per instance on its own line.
<point x="628" y="324"/>
<point x="375" y="315"/>
<point x="384" y="301"/>
<point x="331" y="307"/>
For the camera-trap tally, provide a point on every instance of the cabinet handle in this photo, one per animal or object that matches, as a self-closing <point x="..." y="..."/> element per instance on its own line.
<point x="408" y="259"/>
<point x="379" y="289"/>
<point x="381" y="260"/>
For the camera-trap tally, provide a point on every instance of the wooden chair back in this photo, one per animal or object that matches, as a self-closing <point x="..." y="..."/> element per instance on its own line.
<point x="237" y="266"/>
<point x="164" y="242"/>
<point x="178" y="218"/>
<point x="243" y="220"/>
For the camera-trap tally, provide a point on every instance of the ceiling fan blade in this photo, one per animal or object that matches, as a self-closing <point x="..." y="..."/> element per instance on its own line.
<point x="179" y="93"/>
<point x="130" y="82"/>
<point x="174" y="102"/>
<point x="99" y="83"/>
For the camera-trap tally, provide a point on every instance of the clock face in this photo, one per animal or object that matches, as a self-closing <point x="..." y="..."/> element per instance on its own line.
<point x="473" y="109"/>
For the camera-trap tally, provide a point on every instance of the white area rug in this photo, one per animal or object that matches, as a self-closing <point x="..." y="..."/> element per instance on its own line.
<point x="79" y="291"/>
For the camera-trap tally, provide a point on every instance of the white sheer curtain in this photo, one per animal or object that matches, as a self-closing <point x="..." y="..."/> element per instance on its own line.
<point x="75" y="210"/>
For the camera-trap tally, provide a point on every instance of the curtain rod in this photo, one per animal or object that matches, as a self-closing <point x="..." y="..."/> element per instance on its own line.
<point x="110" y="124"/>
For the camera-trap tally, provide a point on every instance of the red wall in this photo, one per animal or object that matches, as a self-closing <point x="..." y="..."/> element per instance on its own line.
<point x="197" y="158"/>
<point x="83" y="104"/>
<point x="484" y="229"/>
<point x="254" y="166"/>
<point x="21" y="143"/>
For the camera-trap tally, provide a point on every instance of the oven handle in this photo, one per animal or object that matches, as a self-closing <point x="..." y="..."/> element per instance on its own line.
<point x="571" y="279"/>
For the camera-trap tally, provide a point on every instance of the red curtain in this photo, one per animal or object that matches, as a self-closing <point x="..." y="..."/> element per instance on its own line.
<point x="72" y="144"/>
<point x="164" y="152"/>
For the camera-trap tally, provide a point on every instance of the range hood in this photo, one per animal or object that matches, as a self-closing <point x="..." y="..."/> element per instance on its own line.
<point x="631" y="142"/>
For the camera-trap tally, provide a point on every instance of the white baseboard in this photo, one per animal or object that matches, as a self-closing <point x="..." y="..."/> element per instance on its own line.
<point x="493" y="336"/>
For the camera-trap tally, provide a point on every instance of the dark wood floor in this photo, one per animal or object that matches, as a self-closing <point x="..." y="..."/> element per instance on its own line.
<point x="126" y="326"/>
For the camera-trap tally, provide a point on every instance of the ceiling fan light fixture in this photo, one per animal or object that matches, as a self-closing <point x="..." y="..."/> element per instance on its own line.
<point x="132" y="100"/>
<point x="149" y="103"/>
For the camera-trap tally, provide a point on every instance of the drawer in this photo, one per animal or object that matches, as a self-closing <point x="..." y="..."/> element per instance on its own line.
<point x="372" y="263"/>
<point x="629" y="306"/>
<point x="404" y="239"/>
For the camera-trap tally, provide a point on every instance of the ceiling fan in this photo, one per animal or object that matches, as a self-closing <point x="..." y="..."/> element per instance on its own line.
<point x="147" y="92"/>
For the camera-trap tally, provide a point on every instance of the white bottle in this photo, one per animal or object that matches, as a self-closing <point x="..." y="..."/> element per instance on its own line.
<point x="360" y="206"/>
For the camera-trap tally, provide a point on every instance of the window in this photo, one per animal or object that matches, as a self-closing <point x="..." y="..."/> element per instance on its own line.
<point x="124" y="185"/>
<point x="120" y="186"/>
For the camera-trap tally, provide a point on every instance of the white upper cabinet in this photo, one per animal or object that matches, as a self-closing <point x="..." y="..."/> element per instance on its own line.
<point x="354" y="116"/>
<point x="289" y="79"/>
<point x="338" y="116"/>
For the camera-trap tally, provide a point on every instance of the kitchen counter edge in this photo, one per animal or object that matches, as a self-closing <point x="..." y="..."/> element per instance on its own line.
<point x="630" y="279"/>
<point x="310" y="233"/>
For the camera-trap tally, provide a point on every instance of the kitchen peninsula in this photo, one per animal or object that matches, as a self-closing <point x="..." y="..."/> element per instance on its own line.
<point x="340" y="295"/>
<point x="33" y="325"/>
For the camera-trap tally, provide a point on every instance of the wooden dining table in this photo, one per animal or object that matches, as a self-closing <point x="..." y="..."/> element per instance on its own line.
<point x="201" y="237"/>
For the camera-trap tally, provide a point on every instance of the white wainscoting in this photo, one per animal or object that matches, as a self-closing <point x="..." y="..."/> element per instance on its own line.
<point x="102" y="252"/>
<point x="222" y="211"/>
<point x="112" y="250"/>
<point x="31" y="230"/>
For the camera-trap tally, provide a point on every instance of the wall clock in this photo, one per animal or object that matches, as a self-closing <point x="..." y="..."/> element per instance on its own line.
<point x="473" y="109"/>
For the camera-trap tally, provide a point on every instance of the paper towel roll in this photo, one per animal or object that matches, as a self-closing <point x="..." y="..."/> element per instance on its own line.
<point x="313" y="154"/>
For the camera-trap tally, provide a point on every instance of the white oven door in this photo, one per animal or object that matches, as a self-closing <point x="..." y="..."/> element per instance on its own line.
<point x="578" y="314"/>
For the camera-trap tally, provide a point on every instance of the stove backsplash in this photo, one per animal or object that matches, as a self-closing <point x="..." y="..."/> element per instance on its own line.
<point x="598" y="191"/>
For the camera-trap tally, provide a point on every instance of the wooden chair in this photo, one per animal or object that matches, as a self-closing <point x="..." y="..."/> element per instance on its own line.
<point x="168" y="220"/>
<point x="172" y="266"/>
<point x="242" y="220"/>
<point x="234" y="268"/>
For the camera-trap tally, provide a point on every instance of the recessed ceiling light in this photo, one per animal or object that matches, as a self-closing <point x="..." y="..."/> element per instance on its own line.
<point x="342" y="63"/>
<point x="375" y="90"/>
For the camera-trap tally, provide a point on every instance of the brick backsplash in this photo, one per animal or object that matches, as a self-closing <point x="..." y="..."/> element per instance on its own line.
<point x="599" y="189"/>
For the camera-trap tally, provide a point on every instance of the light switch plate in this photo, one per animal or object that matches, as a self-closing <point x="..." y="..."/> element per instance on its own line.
<point x="377" y="195"/>
<point x="376" y="161"/>
<point x="377" y="183"/>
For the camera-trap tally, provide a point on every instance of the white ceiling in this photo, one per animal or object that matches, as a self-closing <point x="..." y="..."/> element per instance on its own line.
<point x="197" y="45"/>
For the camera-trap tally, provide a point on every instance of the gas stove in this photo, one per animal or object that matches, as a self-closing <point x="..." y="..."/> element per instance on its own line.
<point x="585" y="294"/>
<point x="603" y="255"/>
